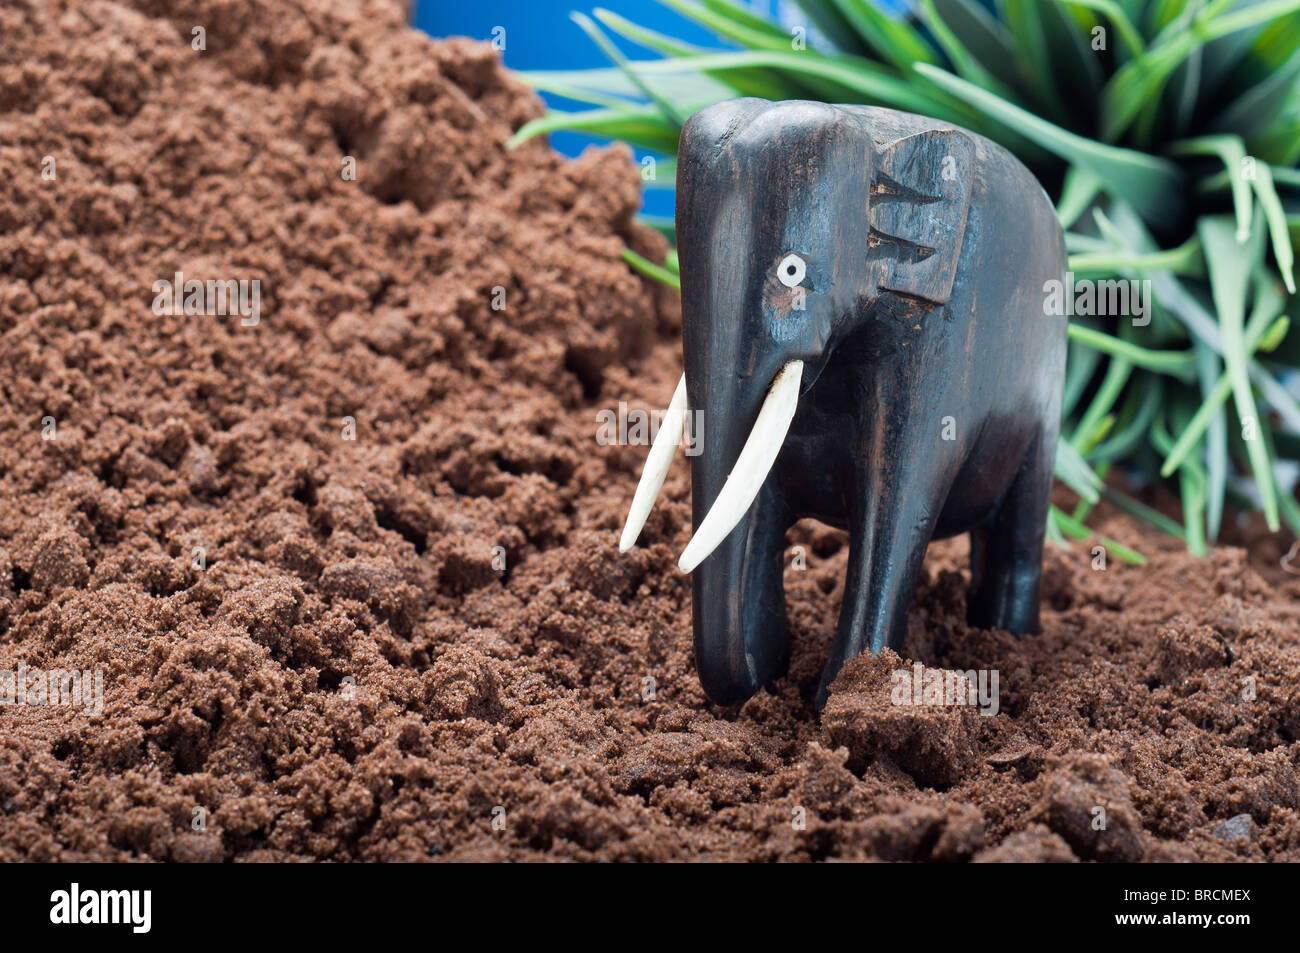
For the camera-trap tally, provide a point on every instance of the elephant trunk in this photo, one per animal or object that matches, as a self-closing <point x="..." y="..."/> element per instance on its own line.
<point x="740" y="518"/>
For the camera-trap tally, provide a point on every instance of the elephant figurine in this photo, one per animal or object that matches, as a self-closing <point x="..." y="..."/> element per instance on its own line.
<point x="867" y="342"/>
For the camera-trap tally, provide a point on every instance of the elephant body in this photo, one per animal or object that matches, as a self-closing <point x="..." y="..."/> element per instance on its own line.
<point x="932" y="375"/>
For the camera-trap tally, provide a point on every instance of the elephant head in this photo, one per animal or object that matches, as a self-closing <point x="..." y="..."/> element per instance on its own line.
<point x="793" y="222"/>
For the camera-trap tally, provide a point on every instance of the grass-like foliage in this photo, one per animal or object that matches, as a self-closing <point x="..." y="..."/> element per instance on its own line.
<point x="1168" y="134"/>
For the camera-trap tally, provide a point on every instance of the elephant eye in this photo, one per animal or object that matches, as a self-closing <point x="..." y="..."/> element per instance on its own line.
<point x="791" y="270"/>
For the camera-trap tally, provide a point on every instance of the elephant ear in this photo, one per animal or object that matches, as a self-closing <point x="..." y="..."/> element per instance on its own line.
<point x="919" y="200"/>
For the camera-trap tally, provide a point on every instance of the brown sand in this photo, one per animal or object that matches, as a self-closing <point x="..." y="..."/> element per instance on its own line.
<point x="349" y="675"/>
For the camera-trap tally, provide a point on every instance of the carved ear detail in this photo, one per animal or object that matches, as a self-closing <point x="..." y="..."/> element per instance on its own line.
<point x="919" y="200"/>
<point x="882" y="245"/>
<point x="885" y="189"/>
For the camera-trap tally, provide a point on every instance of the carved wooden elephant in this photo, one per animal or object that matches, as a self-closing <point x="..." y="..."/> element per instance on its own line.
<point x="865" y="334"/>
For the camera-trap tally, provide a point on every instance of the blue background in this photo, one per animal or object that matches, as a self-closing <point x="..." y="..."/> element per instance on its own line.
<point x="540" y="35"/>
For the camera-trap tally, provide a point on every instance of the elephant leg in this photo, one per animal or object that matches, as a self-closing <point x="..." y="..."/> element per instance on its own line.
<point x="1007" y="552"/>
<point x="890" y="525"/>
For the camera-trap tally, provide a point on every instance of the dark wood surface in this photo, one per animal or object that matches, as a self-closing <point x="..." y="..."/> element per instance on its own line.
<point x="933" y="376"/>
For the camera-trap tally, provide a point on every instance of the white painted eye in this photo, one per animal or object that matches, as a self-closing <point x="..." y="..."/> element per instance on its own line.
<point x="791" y="270"/>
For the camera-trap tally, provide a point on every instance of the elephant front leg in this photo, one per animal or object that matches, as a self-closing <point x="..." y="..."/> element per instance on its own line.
<point x="1007" y="552"/>
<point x="891" y="521"/>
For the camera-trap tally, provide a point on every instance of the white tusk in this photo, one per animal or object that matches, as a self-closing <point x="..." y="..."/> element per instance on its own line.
<point x="657" y="464"/>
<point x="751" y="469"/>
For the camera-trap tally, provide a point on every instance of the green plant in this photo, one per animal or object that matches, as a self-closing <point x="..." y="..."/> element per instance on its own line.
<point x="1164" y="129"/>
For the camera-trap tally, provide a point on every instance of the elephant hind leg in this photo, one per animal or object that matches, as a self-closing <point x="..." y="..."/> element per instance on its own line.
<point x="1007" y="551"/>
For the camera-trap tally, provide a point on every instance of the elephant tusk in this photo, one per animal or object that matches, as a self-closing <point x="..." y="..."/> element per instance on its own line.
<point x="657" y="464"/>
<point x="751" y="469"/>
